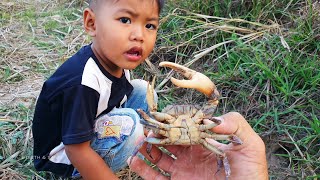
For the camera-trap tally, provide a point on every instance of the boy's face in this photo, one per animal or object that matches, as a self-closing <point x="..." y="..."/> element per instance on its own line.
<point x="124" y="32"/>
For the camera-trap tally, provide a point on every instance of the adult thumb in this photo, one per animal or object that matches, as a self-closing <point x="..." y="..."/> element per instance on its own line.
<point x="233" y="123"/>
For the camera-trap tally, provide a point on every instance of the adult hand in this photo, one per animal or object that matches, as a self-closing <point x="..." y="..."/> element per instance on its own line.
<point x="247" y="161"/>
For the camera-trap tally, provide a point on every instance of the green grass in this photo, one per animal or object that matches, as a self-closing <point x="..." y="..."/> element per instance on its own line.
<point x="271" y="78"/>
<point x="276" y="88"/>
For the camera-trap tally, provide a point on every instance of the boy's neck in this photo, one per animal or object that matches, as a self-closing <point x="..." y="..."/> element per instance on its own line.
<point x="114" y="71"/>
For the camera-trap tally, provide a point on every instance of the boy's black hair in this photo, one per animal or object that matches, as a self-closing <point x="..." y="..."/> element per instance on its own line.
<point x="160" y="3"/>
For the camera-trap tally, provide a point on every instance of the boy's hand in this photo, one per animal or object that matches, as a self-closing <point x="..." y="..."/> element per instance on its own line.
<point x="88" y="162"/>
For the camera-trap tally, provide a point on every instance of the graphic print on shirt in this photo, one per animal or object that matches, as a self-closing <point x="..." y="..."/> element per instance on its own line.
<point x="114" y="126"/>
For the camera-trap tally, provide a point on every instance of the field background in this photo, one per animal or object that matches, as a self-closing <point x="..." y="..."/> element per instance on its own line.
<point x="264" y="57"/>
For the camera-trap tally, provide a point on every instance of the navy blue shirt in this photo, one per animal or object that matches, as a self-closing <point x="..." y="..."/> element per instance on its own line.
<point x="70" y="100"/>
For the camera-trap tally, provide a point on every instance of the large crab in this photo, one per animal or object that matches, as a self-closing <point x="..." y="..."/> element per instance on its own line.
<point x="183" y="124"/>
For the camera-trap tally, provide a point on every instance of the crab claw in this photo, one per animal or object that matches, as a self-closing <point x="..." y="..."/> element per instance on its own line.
<point x="196" y="80"/>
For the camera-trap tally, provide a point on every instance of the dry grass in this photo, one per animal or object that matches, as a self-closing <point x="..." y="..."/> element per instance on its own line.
<point x="30" y="51"/>
<point x="32" y="47"/>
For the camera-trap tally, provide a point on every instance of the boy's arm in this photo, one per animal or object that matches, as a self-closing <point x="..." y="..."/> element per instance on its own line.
<point x="88" y="162"/>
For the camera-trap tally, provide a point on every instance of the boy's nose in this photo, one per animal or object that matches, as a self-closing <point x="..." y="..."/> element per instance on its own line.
<point x="137" y="34"/>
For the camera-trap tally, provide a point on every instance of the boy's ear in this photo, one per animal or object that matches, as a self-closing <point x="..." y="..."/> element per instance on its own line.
<point x="89" y="19"/>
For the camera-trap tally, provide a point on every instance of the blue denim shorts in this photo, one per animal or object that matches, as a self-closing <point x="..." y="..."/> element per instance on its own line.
<point x="116" y="133"/>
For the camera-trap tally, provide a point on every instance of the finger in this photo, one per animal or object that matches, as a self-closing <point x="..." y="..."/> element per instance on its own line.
<point x="155" y="154"/>
<point x="157" y="157"/>
<point x="146" y="172"/>
<point x="233" y="123"/>
<point x="165" y="163"/>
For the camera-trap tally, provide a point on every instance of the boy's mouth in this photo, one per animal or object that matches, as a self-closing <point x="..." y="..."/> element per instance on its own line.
<point x="135" y="51"/>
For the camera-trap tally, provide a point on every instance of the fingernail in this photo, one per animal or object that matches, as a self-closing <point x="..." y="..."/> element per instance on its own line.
<point x="217" y="120"/>
<point x="129" y="160"/>
<point x="138" y="155"/>
<point x="235" y="139"/>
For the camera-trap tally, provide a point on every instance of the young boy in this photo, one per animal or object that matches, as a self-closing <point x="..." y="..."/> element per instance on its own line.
<point x="85" y="121"/>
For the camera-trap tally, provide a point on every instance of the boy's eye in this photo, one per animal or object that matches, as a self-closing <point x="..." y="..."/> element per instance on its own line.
<point x="151" y="26"/>
<point x="125" y="20"/>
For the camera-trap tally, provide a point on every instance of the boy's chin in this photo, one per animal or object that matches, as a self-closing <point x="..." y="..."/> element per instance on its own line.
<point x="131" y="67"/>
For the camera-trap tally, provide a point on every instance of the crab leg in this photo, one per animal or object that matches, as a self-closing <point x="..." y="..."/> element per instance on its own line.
<point x="152" y="121"/>
<point x="163" y="117"/>
<point x="153" y="140"/>
<point x="212" y="148"/>
<point x="208" y="126"/>
<point x="198" y="117"/>
<point x="223" y="161"/>
<point x="215" y="122"/>
<point x="155" y="122"/>
<point x="222" y="158"/>
<point x="233" y="138"/>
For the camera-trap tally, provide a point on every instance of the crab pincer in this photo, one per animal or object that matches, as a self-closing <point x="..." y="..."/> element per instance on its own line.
<point x="196" y="80"/>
